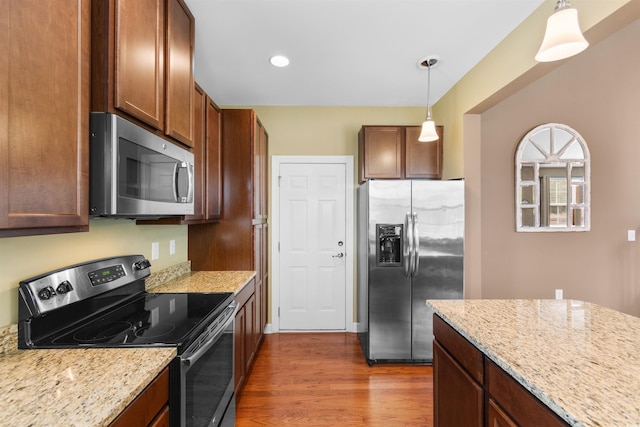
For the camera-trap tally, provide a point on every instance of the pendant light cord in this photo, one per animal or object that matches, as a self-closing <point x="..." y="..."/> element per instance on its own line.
<point x="428" y="88"/>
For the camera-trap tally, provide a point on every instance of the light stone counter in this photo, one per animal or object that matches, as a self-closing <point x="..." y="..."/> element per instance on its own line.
<point x="80" y="387"/>
<point x="580" y="359"/>
<point x="207" y="281"/>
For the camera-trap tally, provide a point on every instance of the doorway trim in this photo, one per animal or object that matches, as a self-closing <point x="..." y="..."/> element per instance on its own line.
<point x="276" y="161"/>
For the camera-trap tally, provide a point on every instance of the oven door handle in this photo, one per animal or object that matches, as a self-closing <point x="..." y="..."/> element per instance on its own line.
<point x="196" y="351"/>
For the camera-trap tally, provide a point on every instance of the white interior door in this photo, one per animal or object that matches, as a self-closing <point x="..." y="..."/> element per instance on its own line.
<point x="312" y="241"/>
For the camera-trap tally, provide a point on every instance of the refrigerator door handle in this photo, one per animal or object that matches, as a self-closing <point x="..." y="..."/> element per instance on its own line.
<point x="407" y="242"/>
<point x="416" y="246"/>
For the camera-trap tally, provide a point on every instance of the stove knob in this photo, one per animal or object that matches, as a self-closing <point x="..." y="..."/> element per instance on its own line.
<point x="64" y="287"/>
<point x="141" y="265"/>
<point x="46" y="293"/>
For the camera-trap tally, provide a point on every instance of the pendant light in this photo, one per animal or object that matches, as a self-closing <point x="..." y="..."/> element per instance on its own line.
<point x="428" y="132"/>
<point x="562" y="37"/>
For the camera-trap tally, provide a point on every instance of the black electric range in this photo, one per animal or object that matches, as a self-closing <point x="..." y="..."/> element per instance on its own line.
<point x="103" y="304"/>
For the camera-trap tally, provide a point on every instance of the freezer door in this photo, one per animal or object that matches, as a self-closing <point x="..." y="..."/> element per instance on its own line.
<point x="389" y="287"/>
<point x="439" y="207"/>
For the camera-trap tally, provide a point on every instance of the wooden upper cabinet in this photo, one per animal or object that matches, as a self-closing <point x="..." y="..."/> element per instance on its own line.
<point x="394" y="152"/>
<point x="179" y="68"/>
<point x="380" y="152"/>
<point x="260" y="171"/>
<point x="44" y="116"/>
<point x="142" y="63"/>
<point x="213" y="145"/>
<point x="199" y="155"/>
<point x="422" y="159"/>
<point x="139" y="78"/>
<point x="207" y="195"/>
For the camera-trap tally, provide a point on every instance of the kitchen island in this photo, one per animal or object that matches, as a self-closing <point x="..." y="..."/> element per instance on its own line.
<point x="580" y="361"/>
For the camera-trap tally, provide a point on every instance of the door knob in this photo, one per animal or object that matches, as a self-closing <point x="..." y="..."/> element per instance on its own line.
<point x="340" y="255"/>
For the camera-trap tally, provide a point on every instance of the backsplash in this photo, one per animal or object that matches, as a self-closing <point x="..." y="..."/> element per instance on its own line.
<point x="166" y="274"/>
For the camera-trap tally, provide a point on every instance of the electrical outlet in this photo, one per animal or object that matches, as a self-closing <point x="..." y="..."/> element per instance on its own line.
<point x="559" y="294"/>
<point x="155" y="250"/>
<point x="172" y="247"/>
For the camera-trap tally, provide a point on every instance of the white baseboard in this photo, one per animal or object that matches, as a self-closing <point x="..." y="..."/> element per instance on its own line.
<point x="353" y="327"/>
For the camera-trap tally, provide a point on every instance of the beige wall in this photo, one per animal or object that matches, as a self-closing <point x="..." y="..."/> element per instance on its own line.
<point x="598" y="94"/>
<point x="24" y="257"/>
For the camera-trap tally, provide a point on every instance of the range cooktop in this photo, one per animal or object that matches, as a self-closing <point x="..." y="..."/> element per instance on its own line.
<point x="151" y="319"/>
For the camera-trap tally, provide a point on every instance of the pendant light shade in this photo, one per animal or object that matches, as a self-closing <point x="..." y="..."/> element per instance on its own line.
<point x="428" y="132"/>
<point x="562" y="37"/>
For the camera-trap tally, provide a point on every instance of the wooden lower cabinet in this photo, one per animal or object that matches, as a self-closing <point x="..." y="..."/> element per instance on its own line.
<point x="150" y="408"/>
<point x="244" y="335"/>
<point x="471" y="390"/>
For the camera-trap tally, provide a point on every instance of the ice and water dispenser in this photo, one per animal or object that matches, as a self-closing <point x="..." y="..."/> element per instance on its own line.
<point x="389" y="248"/>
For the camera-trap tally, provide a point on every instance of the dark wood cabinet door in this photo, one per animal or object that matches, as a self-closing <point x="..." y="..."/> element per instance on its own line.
<point x="199" y="155"/>
<point x="458" y="399"/>
<point x="521" y="406"/>
<point x="250" y="338"/>
<point x="260" y="171"/>
<point x="258" y="236"/>
<point x="239" y="349"/>
<point x="179" y="68"/>
<point x="380" y="150"/>
<point x="139" y="79"/>
<point x="44" y="127"/>
<point x="150" y="407"/>
<point x="422" y="159"/>
<point x="214" y="161"/>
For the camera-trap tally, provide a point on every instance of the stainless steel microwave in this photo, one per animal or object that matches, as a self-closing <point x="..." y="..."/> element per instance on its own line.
<point x="135" y="173"/>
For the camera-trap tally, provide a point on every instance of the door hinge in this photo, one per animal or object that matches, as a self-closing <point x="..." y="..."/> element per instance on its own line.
<point x="279" y="178"/>
<point x="278" y="246"/>
<point x="278" y="311"/>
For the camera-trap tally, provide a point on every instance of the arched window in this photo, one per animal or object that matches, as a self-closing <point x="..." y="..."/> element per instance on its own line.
<point x="553" y="181"/>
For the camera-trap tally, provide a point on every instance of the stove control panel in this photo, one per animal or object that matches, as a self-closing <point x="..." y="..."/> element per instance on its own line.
<point x="59" y="288"/>
<point x="107" y="274"/>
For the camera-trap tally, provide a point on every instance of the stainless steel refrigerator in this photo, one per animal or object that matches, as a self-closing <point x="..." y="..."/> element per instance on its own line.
<point x="410" y="249"/>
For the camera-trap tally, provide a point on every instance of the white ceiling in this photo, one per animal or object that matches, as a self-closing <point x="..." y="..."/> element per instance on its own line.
<point x="344" y="52"/>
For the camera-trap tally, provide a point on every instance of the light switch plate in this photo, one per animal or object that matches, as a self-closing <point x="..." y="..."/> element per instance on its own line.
<point x="631" y="235"/>
<point x="172" y="247"/>
<point x="559" y="293"/>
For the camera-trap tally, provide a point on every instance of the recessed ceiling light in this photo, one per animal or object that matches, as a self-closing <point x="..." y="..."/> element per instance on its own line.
<point x="279" y="61"/>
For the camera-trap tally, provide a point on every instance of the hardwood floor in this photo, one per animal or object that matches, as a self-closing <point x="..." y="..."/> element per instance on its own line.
<point x="322" y="379"/>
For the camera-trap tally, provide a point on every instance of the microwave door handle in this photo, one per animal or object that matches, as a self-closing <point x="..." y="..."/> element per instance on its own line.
<point x="191" y="182"/>
<point x="176" y="172"/>
<point x="176" y="182"/>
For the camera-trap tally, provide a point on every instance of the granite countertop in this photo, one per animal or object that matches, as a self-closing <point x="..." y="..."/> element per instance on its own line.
<point x="580" y="359"/>
<point x="206" y="281"/>
<point x="79" y="387"/>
